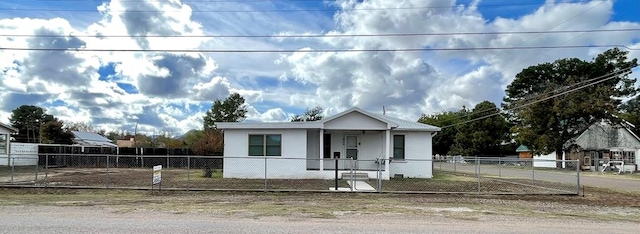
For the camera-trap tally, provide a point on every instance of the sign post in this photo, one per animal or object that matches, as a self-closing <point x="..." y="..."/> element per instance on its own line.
<point x="157" y="177"/>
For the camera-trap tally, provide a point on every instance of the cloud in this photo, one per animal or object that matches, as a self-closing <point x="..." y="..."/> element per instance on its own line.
<point x="173" y="90"/>
<point x="217" y="88"/>
<point x="413" y="83"/>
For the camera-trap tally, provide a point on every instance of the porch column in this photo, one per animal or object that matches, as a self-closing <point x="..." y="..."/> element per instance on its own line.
<point x="387" y="155"/>
<point x="321" y="149"/>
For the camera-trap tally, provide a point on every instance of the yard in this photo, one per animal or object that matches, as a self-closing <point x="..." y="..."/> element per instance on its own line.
<point x="195" y="179"/>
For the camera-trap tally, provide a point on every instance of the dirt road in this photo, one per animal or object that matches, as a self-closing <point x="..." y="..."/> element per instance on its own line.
<point x="586" y="179"/>
<point x="49" y="219"/>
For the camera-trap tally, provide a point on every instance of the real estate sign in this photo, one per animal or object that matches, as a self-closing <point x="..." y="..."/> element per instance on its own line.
<point x="157" y="174"/>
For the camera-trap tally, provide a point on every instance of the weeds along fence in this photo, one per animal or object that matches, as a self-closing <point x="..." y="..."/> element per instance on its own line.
<point x="185" y="172"/>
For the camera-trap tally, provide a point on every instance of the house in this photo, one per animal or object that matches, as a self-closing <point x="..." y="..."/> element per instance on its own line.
<point x="361" y="141"/>
<point x="91" y="139"/>
<point x="604" y="142"/>
<point x="5" y="142"/>
<point x="126" y="143"/>
<point x="600" y="144"/>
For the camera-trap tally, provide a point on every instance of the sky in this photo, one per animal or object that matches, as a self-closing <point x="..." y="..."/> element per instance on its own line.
<point x="162" y="63"/>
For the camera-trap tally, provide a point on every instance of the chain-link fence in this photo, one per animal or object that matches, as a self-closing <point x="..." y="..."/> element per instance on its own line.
<point x="450" y="175"/>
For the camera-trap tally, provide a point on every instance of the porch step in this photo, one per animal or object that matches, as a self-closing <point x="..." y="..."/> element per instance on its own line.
<point x="356" y="176"/>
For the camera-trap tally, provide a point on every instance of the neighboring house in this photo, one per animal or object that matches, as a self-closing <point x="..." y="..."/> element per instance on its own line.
<point x="603" y="142"/>
<point x="91" y="139"/>
<point x="307" y="150"/>
<point x="598" y="145"/>
<point x="5" y="141"/>
<point x="130" y="143"/>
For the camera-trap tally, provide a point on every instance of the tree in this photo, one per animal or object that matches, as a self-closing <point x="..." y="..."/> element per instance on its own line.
<point x="29" y="120"/>
<point x="211" y="143"/>
<point x="115" y="136"/>
<point x="596" y="89"/>
<point x="84" y="127"/>
<point x="232" y="109"/>
<point x="443" y="141"/>
<point x="54" y="133"/>
<point x="483" y="133"/>
<point x="631" y="113"/>
<point x="191" y="137"/>
<point x="313" y="114"/>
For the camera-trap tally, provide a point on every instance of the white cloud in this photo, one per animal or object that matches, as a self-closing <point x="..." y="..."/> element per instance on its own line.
<point x="412" y="82"/>
<point x="171" y="91"/>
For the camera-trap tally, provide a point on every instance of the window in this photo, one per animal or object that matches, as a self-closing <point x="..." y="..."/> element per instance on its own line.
<point x="398" y="146"/>
<point x="265" y="145"/>
<point x="3" y="144"/>
<point x="327" y="146"/>
<point x="629" y="157"/>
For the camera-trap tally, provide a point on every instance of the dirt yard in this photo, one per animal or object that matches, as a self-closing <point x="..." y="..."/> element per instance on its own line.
<point x="443" y="182"/>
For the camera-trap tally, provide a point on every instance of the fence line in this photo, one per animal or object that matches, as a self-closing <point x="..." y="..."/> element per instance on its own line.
<point x="475" y="175"/>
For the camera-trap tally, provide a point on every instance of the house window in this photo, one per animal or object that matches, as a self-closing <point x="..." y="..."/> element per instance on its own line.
<point x="327" y="146"/>
<point x="629" y="157"/>
<point x="398" y="147"/>
<point x="3" y="144"/>
<point x="265" y="145"/>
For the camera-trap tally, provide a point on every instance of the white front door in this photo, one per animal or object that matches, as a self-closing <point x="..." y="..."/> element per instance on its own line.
<point x="351" y="146"/>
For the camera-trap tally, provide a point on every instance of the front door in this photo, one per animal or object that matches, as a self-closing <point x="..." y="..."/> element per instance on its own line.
<point x="351" y="146"/>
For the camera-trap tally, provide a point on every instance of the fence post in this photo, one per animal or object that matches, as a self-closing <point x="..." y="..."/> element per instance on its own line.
<point x="578" y="177"/>
<point x="188" y="171"/>
<point x="107" y="171"/>
<point x="478" y="172"/>
<point x="12" y="167"/>
<point x="533" y="172"/>
<point x="379" y="174"/>
<point x="336" y="173"/>
<point x="265" y="173"/>
<point x="35" y="181"/>
<point x="455" y="162"/>
<point x="352" y="174"/>
<point x="499" y="167"/>
<point x="46" y="170"/>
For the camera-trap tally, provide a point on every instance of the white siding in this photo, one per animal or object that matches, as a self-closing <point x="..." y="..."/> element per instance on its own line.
<point x="4" y="130"/>
<point x="545" y="161"/>
<point x="355" y="121"/>
<point x="22" y="154"/>
<point x="371" y="147"/>
<point x="313" y="149"/>
<point x="292" y="164"/>
<point x="418" y="156"/>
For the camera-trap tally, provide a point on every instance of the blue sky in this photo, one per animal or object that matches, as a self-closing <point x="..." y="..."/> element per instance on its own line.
<point x="171" y="91"/>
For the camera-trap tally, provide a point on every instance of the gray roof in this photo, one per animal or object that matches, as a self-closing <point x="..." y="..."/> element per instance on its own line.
<point x="90" y="138"/>
<point x="11" y="128"/>
<point x="406" y="124"/>
<point x="395" y="123"/>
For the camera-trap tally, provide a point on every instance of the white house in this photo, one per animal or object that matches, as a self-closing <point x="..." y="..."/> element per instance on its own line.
<point x="307" y="150"/>
<point x="5" y="142"/>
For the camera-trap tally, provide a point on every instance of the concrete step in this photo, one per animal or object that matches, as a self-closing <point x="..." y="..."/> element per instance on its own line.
<point x="356" y="176"/>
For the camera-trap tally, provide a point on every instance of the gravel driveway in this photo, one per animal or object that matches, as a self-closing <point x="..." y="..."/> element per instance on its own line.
<point x="586" y="178"/>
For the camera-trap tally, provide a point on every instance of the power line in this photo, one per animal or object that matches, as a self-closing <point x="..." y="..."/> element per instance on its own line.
<point x="312" y="51"/>
<point x="188" y="1"/>
<point x="330" y="35"/>
<point x="296" y="10"/>
<point x="540" y="54"/>
<point x="603" y="78"/>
